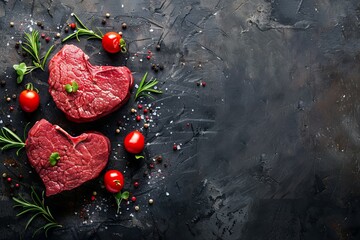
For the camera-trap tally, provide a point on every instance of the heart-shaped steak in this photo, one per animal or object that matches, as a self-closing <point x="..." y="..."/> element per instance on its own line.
<point x="101" y="89"/>
<point x="81" y="158"/>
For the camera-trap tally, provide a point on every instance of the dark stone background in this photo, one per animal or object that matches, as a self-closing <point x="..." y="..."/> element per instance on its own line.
<point x="269" y="148"/>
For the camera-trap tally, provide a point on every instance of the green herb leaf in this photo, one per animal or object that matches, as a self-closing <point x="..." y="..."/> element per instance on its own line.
<point x="119" y="197"/>
<point x="139" y="156"/>
<point x="54" y="158"/>
<point x="68" y="88"/>
<point x="125" y="195"/>
<point x="38" y="209"/>
<point x="73" y="87"/>
<point x="145" y="88"/>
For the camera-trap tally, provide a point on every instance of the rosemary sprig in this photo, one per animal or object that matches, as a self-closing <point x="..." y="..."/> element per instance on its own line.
<point x="37" y="208"/>
<point x="32" y="46"/>
<point x="82" y="31"/>
<point x="8" y="139"/>
<point x="146" y="88"/>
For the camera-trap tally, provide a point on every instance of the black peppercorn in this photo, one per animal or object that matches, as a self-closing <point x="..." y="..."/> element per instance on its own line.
<point x="124" y="25"/>
<point x="2" y="83"/>
<point x="158" y="47"/>
<point x="103" y="22"/>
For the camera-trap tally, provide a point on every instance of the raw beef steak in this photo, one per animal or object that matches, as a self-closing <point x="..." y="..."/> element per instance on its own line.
<point x="82" y="158"/>
<point x="101" y="89"/>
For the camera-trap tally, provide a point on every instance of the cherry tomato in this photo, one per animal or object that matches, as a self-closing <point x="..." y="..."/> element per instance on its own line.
<point x="113" y="181"/>
<point x="111" y="42"/>
<point x="134" y="142"/>
<point x="29" y="99"/>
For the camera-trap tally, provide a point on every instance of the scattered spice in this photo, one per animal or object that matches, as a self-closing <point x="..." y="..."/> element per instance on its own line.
<point x="39" y="23"/>
<point x="138" y="118"/>
<point x="117" y="130"/>
<point x="17" y="45"/>
<point x="12" y="24"/>
<point x="43" y="35"/>
<point x="148" y="57"/>
<point x="94" y="193"/>
<point x="58" y="35"/>
<point x="13" y="96"/>
<point x="107" y="15"/>
<point x="146" y="110"/>
<point x="11" y="108"/>
<point x="103" y="22"/>
<point x="133" y="199"/>
<point x="17" y="185"/>
<point x="9" y="179"/>
<point x="2" y="83"/>
<point x="140" y="106"/>
<point x="4" y="175"/>
<point x="47" y="39"/>
<point x="124" y="25"/>
<point x="93" y="198"/>
<point x="158" y="47"/>
<point x="203" y="84"/>
<point x="137" y="208"/>
<point x="66" y="30"/>
<point x="174" y="147"/>
<point x="158" y="159"/>
<point x="136" y="184"/>
<point x="133" y="110"/>
<point x="151" y="201"/>
<point x="146" y="125"/>
<point x="8" y="99"/>
<point x="72" y="26"/>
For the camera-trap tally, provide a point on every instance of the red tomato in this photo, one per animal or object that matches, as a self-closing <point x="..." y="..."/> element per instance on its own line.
<point x="111" y="42"/>
<point x="113" y="181"/>
<point x="134" y="142"/>
<point x="29" y="99"/>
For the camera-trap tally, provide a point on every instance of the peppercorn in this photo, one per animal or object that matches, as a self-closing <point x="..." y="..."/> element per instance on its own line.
<point x="124" y="25"/>
<point x="11" y="108"/>
<point x="72" y="26"/>
<point x="139" y="106"/>
<point x="203" y="84"/>
<point x="57" y="35"/>
<point x="17" y="45"/>
<point x="12" y="24"/>
<point x="94" y="193"/>
<point x="120" y="33"/>
<point x="21" y="176"/>
<point x="4" y="175"/>
<point x="17" y="185"/>
<point x="8" y="99"/>
<point x="133" y="110"/>
<point x="146" y="110"/>
<point x="147" y="118"/>
<point x="103" y="22"/>
<point x="158" y="159"/>
<point x="2" y="83"/>
<point x="9" y="179"/>
<point x="107" y="15"/>
<point x="137" y="208"/>
<point x="151" y="165"/>
<point x="146" y="125"/>
<point x="148" y="57"/>
<point x="136" y="184"/>
<point x="66" y="30"/>
<point x="158" y="47"/>
<point x="174" y="147"/>
<point x="117" y="130"/>
<point x="138" y="118"/>
<point x="43" y="35"/>
<point x="198" y="83"/>
<point x="151" y="201"/>
<point x="133" y="199"/>
<point x="39" y="23"/>
<point x="47" y="39"/>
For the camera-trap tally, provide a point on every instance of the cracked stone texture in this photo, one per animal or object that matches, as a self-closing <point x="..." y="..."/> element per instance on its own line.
<point x="269" y="148"/>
